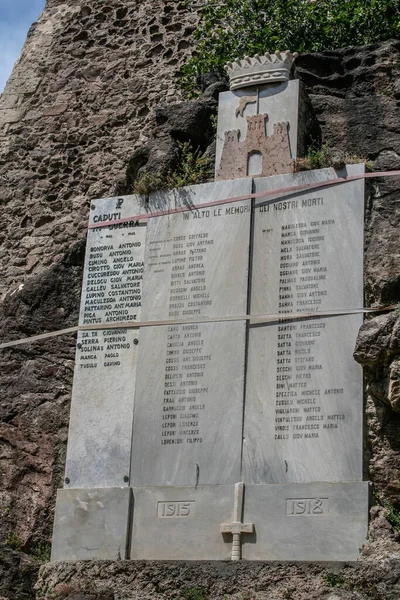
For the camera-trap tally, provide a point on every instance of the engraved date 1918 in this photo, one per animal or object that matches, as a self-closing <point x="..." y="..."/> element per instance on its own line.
<point x="175" y="509"/>
<point x="307" y="507"/>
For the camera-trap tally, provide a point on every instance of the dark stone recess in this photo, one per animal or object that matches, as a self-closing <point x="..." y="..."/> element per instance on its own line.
<point x="150" y="580"/>
<point x="18" y="574"/>
<point x="189" y="121"/>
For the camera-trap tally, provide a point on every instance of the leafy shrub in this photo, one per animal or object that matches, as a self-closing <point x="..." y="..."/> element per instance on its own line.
<point x="13" y="541"/>
<point x="194" y="594"/>
<point x="235" y="28"/>
<point x="325" y="157"/>
<point x="392" y="514"/>
<point x="333" y="580"/>
<point x="41" y="552"/>
<point x="192" y="169"/>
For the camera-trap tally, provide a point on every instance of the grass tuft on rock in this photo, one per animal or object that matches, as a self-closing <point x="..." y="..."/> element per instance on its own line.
<point x="192" y="169"/>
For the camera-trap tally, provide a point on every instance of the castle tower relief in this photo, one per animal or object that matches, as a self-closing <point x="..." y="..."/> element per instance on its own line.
<point x="259" y="154"/>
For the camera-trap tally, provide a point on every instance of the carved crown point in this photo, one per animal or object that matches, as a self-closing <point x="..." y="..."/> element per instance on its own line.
<point x="258" y="70"/>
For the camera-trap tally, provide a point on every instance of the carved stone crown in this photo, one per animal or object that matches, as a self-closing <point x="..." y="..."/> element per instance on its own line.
<point x="260" y="69"/>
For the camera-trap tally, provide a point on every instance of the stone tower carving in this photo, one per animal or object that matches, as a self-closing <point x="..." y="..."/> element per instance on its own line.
<point x="274" y="150"/>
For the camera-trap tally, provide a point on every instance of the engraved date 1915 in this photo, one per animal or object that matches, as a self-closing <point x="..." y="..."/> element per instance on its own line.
<point x="175" y="509"/>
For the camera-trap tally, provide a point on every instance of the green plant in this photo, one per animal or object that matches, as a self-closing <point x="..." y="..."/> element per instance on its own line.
<point x="315" y="159"/>
<point x="392" y="514"/>
<point x="369" y="589"/>
<point x="392" y="511"/>
<point x="13" y="541"/>
<point x="333" y="580"/>
<point x="324" y="157"/>
<point x="235" y="28"/>
<point x="192" y="168"/>
<point x="149" y="182"/>
<point x="194" y="594"/>
<point x="214" y="124"/>
<point x="41" y="552"/>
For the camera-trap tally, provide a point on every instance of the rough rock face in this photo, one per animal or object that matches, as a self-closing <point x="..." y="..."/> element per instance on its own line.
<point x="80" y="102"/>
<point x="181" y="122"/>
<point x="36" y="386"/>
<point x="132" y="580"/>
<point x="378" y="350"/>
<point x="18" y="574"/>
<point x="355" y="93"/>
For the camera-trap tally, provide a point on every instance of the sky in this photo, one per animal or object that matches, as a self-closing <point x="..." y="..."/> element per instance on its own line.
<point x="16" y="16"/>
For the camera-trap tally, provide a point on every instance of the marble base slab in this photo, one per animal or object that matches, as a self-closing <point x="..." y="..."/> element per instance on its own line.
<point x="92" y="524"/>
<point x="181" y="523"/>
<point x="306" y="522"/>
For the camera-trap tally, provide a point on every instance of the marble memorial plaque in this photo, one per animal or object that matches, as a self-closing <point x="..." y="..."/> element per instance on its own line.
<point x="189" y="390"/>
<point x="306" y="522"/>
<point x="308" y="246"/>
<point x="100" y="429"/>
<point x="92" y="524"/>
<point x="181" y="523"/>
<point x="188" y="405"/>
<point x="196" y="261"/>
<point x="303" y="411"/>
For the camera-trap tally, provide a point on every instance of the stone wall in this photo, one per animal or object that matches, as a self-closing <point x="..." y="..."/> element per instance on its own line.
<point x="78" y="103"/>
<point x="130" y="580"/>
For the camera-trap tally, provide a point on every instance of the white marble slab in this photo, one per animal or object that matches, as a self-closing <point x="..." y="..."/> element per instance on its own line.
<point x="92" y="524"/>
<point x="308" y="246"/>
<point x="100" y="431"/>
<point x="303" y="409"/>
<point x="188" y="405"/>
<point x="306" y="522"/>
<point x="181" y="523"/>
<point x="196" y="262"/>
<point x="189" y="390"/>
<point x="303" y="420"/>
